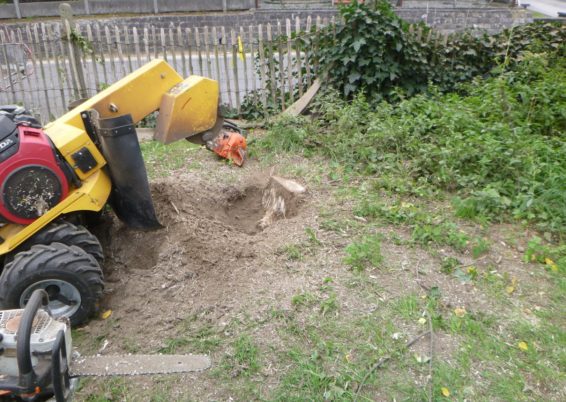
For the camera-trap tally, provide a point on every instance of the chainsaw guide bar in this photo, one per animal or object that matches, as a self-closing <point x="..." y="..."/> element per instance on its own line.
<point x="130" y="365"/>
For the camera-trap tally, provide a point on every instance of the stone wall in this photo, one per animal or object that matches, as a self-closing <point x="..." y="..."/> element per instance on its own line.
<point x="51" y="8"/>
<point x="445" y="20"/>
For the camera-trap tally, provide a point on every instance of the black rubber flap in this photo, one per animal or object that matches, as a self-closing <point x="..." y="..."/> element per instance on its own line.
<point x="131" y="197"/>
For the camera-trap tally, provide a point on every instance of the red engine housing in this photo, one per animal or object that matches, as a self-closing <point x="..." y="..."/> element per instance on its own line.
<point x="31" y="178"/>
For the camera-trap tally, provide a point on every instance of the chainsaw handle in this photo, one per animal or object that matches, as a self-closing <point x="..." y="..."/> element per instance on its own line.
<point x="23" y="349"/>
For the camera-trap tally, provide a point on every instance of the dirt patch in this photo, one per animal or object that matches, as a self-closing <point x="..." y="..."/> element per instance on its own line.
<point x="244" y="209"/>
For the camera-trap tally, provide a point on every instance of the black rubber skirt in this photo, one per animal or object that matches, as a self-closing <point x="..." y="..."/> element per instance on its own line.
<point x="130" y="198"/>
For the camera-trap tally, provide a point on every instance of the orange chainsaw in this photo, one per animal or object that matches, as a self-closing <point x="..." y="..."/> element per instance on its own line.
<point x="225" y="139"/>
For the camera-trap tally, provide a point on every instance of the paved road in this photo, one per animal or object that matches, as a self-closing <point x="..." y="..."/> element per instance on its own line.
<point x="546" y="7"/>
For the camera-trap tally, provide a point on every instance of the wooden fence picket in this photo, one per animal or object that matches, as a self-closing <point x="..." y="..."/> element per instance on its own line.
<point x="269" y="61"/>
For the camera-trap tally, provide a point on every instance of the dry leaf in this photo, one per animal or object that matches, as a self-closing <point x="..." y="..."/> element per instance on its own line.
<point x="105" y="315"/>
<point x="460" y="311"/>
<point x="523" y="346"/>
<point x="445" y="391"/>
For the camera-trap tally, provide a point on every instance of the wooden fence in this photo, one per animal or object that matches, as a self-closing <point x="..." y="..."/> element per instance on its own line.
<point x="41" y="68"/>
<point x="46" y="69"/>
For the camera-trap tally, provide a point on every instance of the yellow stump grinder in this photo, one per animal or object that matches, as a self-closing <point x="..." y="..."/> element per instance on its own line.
<point x="51" y="176"/>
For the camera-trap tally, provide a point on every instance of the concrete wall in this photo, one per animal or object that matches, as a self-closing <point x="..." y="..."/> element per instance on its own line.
<point x="51" y="8"/>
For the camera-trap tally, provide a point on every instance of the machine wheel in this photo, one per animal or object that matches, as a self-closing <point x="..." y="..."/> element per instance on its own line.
<point x="72" y="278"/>
<point x="66" y="233"/>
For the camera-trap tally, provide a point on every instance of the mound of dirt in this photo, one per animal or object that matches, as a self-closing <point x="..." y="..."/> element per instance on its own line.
<point x="210" y="234"/>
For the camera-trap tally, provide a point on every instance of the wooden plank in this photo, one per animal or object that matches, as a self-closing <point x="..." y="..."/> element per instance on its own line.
<point x="173" y="49"/>
<point x="207" y="51"/>
<point x="189" y="46"/>
<point x="318" y="25"/>
<point x="199" y="50"/>
<point x="226" y="69"/>
<point x="252" y="70"/>
<point x="262" y="66"/>
<point x="289" y="61"/>
<point x="112" y="62"/>
<point x="271" y="62"/>
<point x="146" y="43"/>
<point x="137" y="46"/>
<point x="102" y="58"/>
<point x="66" y="63"/>
<point x="121" y="65"/>
<point x="298" y="57"/>
<point x="26" y="85"/>
<point x="19" y="80"/>
<point x="281" y="77"/>
<point x="128" y="49"/>
<point x="163" y="45"/>
<point x="242" y="39"/>
<point x="217" y="73"/>
<point x="308" y="71"/>
<point x="42" y="70"/>
<point x="72" y="61"/>
<point x="154" y="40"/>
<point x="235" y="69"/>
<point x="181" y="44"/>
<point x="217" y="59"/>
<point x="36" y="50"/>
<point x="297" y="108"/>
<point x="92" y="58"/>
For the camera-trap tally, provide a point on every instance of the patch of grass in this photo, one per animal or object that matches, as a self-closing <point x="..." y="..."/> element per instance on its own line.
<point x="293" y="252"/>
<point x="305" y="299"/>
<point x="449" y="264"/>
<point x="480" y="246"/>
<point x="192" y="337"/>
<point x="365" y="253"/>
<point x="243" y="361"/>
<point x="407" y="307"/>
<point x="161" y="159"/>
<point x="446" y="233"/>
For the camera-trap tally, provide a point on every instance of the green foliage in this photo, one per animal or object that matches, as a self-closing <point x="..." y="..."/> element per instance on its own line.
<point x="500" y="146"/>
<point x="375" y="51"/>
<point x="366" y="253"/>
<point x="287" y="134"/>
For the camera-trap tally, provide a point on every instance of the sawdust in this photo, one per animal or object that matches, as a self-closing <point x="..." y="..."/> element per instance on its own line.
<point x="210" y="256"/>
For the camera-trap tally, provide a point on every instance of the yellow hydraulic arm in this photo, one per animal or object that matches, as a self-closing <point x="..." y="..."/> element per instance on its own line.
<point x="186" y="107"/>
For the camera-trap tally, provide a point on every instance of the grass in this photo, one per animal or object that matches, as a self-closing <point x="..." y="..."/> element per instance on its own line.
<point x="161" y="159"/>
<point x="400" y="242"/>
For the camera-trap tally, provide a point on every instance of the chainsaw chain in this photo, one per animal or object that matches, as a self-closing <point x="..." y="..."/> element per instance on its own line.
<point x="131" y="374"/>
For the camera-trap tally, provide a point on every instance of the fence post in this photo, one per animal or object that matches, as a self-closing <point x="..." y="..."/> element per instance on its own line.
<point x="155" y="7"/>
<point x="74" y="49"/>
<point x="224" y="6"/>
<point x="87" y="7"/>
<point x="17" y="7"/>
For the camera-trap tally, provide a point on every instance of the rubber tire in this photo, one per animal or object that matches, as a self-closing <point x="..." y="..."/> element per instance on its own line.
<point x="55" y="261"/>
<point x="66" y="233"/>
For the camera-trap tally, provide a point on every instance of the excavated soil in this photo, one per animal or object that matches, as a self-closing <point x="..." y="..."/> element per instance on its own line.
<point x="210" y="256"/>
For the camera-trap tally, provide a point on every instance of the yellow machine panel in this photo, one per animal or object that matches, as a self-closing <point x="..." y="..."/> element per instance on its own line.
<point x="188" y="108"/>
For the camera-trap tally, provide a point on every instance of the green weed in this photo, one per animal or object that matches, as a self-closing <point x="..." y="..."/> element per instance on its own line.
<point x="364" y="254"/>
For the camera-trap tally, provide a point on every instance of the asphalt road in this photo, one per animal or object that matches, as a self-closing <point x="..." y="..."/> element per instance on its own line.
<point x="546" y="7"/>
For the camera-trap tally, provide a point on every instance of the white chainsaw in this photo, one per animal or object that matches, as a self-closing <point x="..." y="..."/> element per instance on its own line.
<point x="35" y="351"/>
